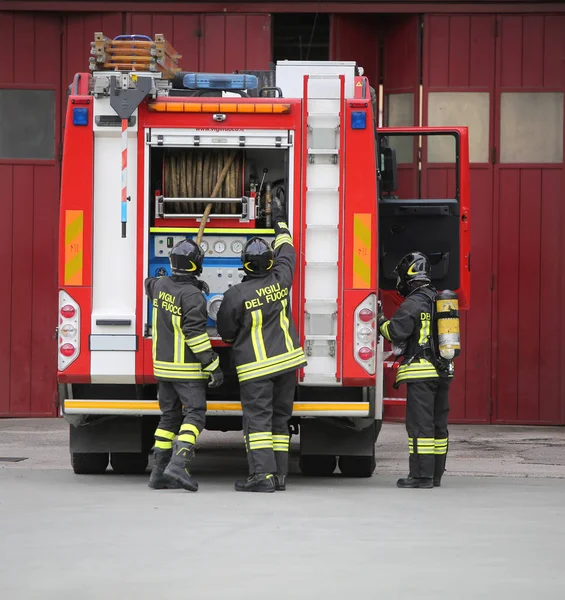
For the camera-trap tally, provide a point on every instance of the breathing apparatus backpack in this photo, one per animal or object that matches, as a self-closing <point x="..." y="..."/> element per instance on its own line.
<point x="445" y="340"/>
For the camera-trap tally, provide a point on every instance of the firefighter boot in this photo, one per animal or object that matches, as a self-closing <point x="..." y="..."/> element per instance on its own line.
<point x="415" y="482"/>
<point x="156" y="480"/>
<point x="260" y="482"/>
<point x="439" y="469"/>
<point x="177" y="470"/>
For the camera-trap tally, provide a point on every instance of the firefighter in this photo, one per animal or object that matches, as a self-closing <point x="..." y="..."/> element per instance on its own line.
<point x="183" y="361"/>
<point x="255" y="317"/>
<point x="427" y="378"/>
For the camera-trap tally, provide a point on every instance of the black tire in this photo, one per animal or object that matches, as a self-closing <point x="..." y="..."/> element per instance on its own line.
<point x="357" y="466"/>
<point x="314" y="465"/>
<point x="129" y="463"/>
<point x="89" y="464"/>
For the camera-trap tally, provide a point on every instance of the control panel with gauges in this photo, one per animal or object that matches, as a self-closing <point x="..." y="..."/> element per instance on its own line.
<point x="222" y="266"/>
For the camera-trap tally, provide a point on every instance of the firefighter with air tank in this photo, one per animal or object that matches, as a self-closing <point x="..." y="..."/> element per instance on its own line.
<point x="425" y="329"/>
<point x="255" y="318"/>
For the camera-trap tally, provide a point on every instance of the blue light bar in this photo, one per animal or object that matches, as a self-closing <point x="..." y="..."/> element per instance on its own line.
<point x="219" y="81"/>
<point x="80" y="116"/>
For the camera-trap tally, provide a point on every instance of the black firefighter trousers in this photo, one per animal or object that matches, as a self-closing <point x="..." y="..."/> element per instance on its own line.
<point x="267" y="407"/>
<point x="183" y="404"/>
<point x="427" y="411"/>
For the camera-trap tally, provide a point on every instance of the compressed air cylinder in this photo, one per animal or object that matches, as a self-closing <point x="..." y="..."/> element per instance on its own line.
<point x="447" y="314"/>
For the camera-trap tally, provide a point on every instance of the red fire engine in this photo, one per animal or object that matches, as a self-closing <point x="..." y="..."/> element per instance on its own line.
<point x="146" y="150"/>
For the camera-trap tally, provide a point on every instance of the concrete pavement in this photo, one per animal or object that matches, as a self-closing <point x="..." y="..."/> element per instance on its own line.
<point x="110" y="537"/>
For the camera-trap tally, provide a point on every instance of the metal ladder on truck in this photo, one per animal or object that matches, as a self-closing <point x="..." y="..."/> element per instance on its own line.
<point x="322" y="215"/>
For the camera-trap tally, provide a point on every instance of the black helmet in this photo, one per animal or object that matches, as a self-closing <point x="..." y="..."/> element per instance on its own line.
<point x="415" y="266"/>
<point x="257" y="257"/>
<point x="186" y="258"/>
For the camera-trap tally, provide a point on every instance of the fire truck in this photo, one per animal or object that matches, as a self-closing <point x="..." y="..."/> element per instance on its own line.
<point x="146" y="150"/>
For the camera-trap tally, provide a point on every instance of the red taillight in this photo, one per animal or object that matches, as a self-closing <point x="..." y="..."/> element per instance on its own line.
<point x="366" y="315"/>
<point x="68" y="311"/>
<point x="365" y="353"/>
<point x="67" y="349"/>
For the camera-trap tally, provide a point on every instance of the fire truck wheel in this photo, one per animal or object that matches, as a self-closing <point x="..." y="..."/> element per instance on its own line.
<point x="314" y="465"/>
<point x="129" y="463"/>
<point x="89" y="464"/>
<point x="357" y="466"/>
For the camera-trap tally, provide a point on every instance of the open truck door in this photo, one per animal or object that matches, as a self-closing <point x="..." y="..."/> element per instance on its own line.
<point x="424" y="202"/>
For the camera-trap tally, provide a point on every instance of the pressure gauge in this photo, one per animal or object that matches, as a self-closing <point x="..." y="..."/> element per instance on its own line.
<point x="204" y="247"/>
<point x="237" y="247"/>
<point x="219" y="246"/>
<point x="214" y="306"/>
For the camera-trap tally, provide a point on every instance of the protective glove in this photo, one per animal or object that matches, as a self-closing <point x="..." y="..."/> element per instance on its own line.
<point x="381" y="319"/>
<point x="278" y="211"/>
<point x="216" y="378"/>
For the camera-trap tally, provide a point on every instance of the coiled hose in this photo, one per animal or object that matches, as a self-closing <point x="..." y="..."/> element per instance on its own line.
<point x="196" y="173"/>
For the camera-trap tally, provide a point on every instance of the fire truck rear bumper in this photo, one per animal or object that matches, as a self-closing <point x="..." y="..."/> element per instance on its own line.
<point x="214" y="408"/>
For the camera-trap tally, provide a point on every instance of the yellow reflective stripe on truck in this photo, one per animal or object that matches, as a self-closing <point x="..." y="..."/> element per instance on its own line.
<point x="140" y="405"/>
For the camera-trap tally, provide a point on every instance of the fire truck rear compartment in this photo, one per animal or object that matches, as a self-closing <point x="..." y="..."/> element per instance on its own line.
<point x="240" y="183"/>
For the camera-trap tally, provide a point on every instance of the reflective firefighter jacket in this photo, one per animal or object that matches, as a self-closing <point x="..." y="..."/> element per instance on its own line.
<point x="255" y="317"/>
<point x="412" y="323"/>
<point x="181" y="346"/>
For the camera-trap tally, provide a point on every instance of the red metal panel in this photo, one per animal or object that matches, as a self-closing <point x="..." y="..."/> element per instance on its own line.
<point x="357" y="37"/>
<point x="401" y="75"/>
<point x="459" y="55"/>
<point x="296" y="6"/>
<point x="29" y="205"/>
<point x="213" y="44"/>
<point x="44" y="292"/>
<point x="258" y="42"/>
<point x="551" y="319"/>
<point x="235" y="36"/>
<point x="78" y="32"/>
<point x="6" y="231"/>
<point x="22" y="290"/>
<point x="528" y="296"/>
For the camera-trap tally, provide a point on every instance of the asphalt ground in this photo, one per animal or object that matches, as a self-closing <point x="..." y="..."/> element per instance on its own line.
<point x="495" y="529"/>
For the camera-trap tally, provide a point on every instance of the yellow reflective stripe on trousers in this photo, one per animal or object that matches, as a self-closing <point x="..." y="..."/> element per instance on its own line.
<point x="257" y="335"/>
<point x="178" y="355"/>
<point x="188" y="433"/>
<point x="425" y="445"/>
<point x="154" y="332"/>
<point x="167" y="445"/>
<point x="190" y="427"/>
<point x="260" y="435"/>
<point x="440" y="446"/>
<point x="260" y="440"/>
<point x="285" y="325"/>
<point x="163" y="433"/>
<point x="281" y="442"/>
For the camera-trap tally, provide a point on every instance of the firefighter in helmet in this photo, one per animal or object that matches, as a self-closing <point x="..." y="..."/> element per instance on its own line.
<point x="183" y="362"/>
<point x="255" y="317"/>
<point x="428" y="379"/>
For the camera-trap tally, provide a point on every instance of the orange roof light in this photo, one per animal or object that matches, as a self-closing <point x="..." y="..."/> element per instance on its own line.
<point x="213" y="107"/>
